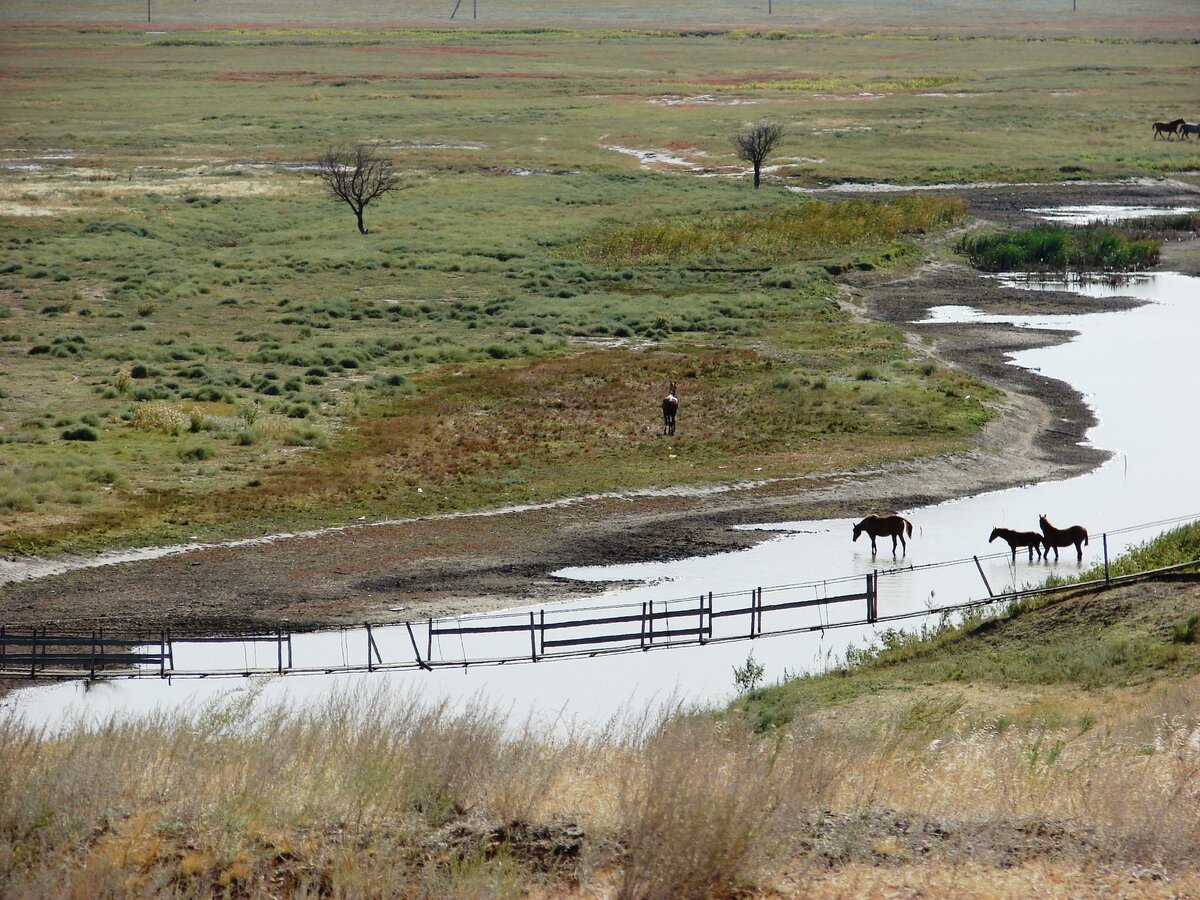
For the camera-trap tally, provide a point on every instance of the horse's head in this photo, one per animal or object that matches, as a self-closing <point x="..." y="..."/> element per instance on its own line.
<point x="858" y="529"/>
<point x="995" y="534"/>
<point x="1043" y="521"/>
<point x="671" y="390"/>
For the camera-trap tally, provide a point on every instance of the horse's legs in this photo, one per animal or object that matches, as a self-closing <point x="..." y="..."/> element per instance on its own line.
<point x="874" y="549"/>
<point x="1079" y="549"/>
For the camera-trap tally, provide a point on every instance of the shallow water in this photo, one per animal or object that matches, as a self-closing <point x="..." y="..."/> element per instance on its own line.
<point x="1128" y="365"/>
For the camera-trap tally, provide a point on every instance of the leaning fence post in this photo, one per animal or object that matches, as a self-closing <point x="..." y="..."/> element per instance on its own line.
<point x="370" y="641"/>
<point x="979" y="566"/>
<point x="1105" y="535"/>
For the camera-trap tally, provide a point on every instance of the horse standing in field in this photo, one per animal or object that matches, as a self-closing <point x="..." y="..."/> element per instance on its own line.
<point x="884" y="526"/>
<point x="1063" y="537"/>
<point x="670" y="406"/>
<point x="1189" y="128"/>
<point x="1015" y="539"/>
<point x="1167" y="128"/>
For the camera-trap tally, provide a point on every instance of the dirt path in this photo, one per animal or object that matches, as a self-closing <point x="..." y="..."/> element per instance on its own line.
<point x="468" y="563"/>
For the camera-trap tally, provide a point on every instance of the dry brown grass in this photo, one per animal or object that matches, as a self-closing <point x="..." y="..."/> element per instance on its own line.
<point x="367" y="794"/>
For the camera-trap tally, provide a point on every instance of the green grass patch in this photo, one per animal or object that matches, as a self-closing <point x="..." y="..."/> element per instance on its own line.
<point x="1051" y="248"/>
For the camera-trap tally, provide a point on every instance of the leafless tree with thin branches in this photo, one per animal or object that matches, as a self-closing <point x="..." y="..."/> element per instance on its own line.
<point x="755" y="145"/>
<point x="357" y="175"/>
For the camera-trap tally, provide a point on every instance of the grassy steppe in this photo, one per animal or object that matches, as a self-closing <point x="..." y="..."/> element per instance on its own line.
<point x="193" y="341"/>
<point x="1055" y="747"/>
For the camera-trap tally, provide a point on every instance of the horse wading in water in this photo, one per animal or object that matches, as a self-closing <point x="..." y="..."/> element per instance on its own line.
<point x="884" y="526"/>
<point x="670" y="406"/>
<point x="1063" y="537"/>
<point x="1030" y="539"/>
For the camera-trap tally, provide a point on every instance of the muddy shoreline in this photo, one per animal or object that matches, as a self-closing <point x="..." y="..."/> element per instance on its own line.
<point x="462" y="564"/>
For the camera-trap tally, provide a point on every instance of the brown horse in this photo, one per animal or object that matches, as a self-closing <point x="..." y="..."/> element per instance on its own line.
<point x="1167" y="128"/>
<point x="884" y="526"/>
<point x="1063" y="537"/>
<point x="1030" y="539"/>
<point x="1189" y="128"/>
<point x="670" y="406"/>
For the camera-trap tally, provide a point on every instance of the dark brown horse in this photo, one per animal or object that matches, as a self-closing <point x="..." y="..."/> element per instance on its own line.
<point x="1167" y="128"/>
<point x="670" y="407"/>
<point x="1063" y="537"/>
<point x="1030" y="539"/>
<point x="884" y="526"/>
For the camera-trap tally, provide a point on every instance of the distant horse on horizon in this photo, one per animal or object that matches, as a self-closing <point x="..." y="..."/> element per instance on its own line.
<point x="884" y="526"/>
<point x="1015" y="539"/>
<point x="1063" y="537"/>
<point x="1167" y="128"/>
<point x="670" y="406"/>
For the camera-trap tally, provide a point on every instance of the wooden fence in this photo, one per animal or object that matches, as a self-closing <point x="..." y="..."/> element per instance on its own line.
<point x="504" y="638"/>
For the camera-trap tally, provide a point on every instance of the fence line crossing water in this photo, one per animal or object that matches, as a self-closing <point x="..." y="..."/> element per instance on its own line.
<point x="505" y="638"/>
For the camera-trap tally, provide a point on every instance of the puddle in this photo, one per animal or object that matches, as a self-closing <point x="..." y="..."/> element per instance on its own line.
<point x="1117" y="360"/>
<point x="1086" y="215"/>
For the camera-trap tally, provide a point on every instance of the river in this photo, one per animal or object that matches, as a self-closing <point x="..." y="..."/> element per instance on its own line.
<point x="1137" y="368"/>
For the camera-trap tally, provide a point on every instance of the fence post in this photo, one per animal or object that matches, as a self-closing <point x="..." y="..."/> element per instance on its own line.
<point x="700" y="623"/>
<point x="710" y="617"/>
<point x="760" y="606"/>
<point x="279" y="650"/>
<point x="33" y="654"/>
<point x="412" y="637"/>
<point x="429" y="648"/>
<point x="170" y="650"/>
<point x="650" y="623"/>
<point x="92" y="673"/>
<point x="979" y="566"/>
<point x="370" y="643"/>
<point x="753" y="608"/>
<point x="870" y="599"/>
<point x="1105" y="557"/>
<point x="532" y="638"/>
<point x="542" y="631"/>
<point x="162" y="654"/>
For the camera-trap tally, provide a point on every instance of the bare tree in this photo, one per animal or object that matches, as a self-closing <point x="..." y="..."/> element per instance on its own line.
<point x="755" y="145"/>
<point x="356" y="175"/>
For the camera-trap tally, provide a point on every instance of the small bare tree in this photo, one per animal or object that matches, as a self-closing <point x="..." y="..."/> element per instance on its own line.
<point x="357" y="175"/>
<point x="755" y="145"/>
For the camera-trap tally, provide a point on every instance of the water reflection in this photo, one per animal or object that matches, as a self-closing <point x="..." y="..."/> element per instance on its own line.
<point x="1126" y="363"/>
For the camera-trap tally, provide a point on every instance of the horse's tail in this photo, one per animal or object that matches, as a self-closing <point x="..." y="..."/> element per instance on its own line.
<point x="909" y="526"/>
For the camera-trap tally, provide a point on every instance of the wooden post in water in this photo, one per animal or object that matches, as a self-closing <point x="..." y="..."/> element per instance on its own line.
<point x="92" y="673"/>
<point x="370" y="642"/>
<point x="642" y="636"/>
<point x="532" y="638"/>
<point x="1105" y="536"/>
<point x="872" y="612"/>
<point x="760" y="606"/>
<point x="700" y="623"/>
<point x="162" y="654"/>
<point x="279" y="650"/>
<point x="979" y="566"/>
<point x="542" y="630"/>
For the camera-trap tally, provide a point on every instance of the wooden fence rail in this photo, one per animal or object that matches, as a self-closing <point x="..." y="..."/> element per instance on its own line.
<point x="533" y="636"/>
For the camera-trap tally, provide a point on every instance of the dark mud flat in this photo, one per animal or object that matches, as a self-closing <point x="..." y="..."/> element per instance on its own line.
<point x="465" y="564"/>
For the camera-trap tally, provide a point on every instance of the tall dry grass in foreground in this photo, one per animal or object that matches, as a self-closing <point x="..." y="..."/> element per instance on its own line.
<point x="367" y="794"/>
